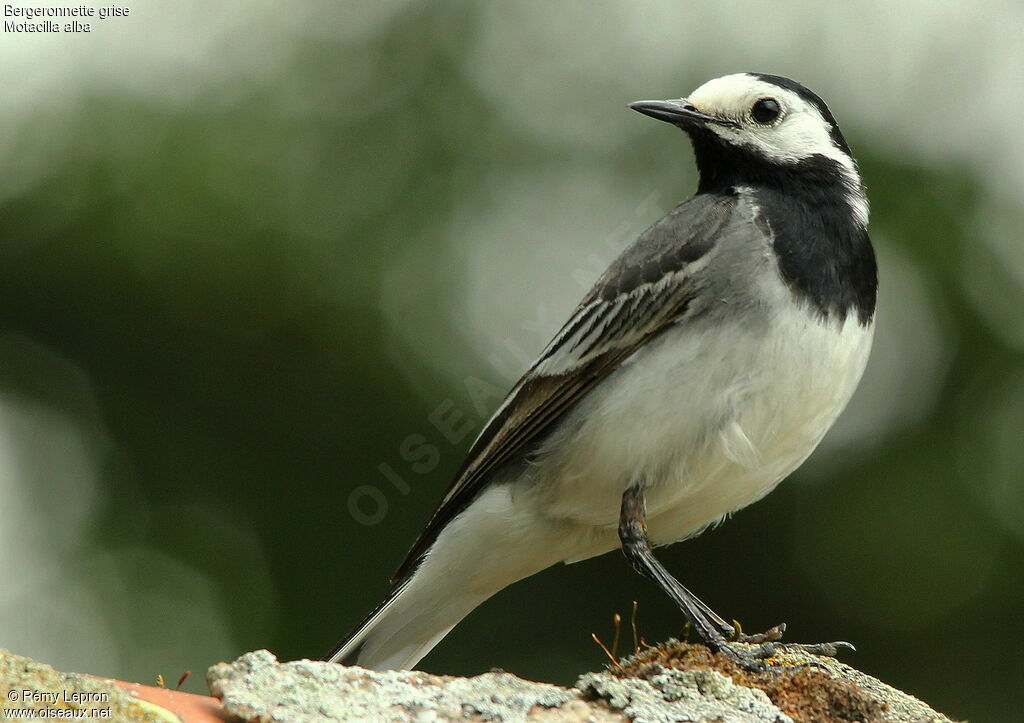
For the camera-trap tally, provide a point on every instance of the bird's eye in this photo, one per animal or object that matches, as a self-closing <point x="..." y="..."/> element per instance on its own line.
<point x="766" y="111"/>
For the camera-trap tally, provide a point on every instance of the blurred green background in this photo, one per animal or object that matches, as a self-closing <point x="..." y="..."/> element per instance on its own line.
<point x="247" y="250"/>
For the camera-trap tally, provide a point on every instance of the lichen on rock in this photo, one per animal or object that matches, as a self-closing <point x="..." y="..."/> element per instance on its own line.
<point x="676" y="695"/>
<point x="32" y="689"/>
<point x="256" y="687"/>
<point x="659" y="684"/>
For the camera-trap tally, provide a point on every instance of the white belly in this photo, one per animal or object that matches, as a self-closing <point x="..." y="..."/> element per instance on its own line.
<point x="708" y="423"/>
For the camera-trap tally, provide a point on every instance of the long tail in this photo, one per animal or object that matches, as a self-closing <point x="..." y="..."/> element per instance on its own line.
<point x="406" y="625"/>
<point x="487" y="547"/>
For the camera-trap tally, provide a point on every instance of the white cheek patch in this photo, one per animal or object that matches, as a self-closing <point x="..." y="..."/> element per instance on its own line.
<point x="801" y="133"/>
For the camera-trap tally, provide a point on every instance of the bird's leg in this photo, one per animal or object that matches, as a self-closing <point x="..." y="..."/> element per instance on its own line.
<point x="637" y="548"/>
<point x="734" y="632"/>
<point x="712" y="628"/>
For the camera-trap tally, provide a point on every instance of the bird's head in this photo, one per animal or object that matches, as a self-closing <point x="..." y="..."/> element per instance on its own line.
<point x="758" y="128"/>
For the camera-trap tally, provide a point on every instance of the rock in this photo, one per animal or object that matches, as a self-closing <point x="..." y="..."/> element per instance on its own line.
<point x="678" y="695"/>
<point x="31" y="688"/>
<point x="258" y="688"/>
<point x="671" y="682"/>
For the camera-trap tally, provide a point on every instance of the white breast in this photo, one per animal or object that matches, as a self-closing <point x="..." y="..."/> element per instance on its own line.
<point x="710" y="421"/>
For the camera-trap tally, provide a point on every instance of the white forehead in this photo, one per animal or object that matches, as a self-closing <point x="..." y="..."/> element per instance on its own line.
<point x="801" y="132"/>
<point x="736" y="93"/>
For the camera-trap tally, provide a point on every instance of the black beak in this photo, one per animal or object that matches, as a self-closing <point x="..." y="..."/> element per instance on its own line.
<point x="680" y="112"/>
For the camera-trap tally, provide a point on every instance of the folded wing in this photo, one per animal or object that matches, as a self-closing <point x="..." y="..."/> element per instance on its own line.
<point x="651" y="286"/>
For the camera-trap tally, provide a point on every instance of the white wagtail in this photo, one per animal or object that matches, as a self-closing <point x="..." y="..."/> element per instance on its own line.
<point x="703" y="367"/>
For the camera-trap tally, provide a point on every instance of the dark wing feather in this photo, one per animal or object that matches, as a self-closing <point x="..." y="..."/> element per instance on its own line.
<point x="626" y="308"/>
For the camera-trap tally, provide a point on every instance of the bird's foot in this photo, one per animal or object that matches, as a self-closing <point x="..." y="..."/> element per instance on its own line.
<point x="829" y="650"/>
<point x="754" y="659"/>
<point x="774" y="635"/>
<point x="764" y="656"/>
